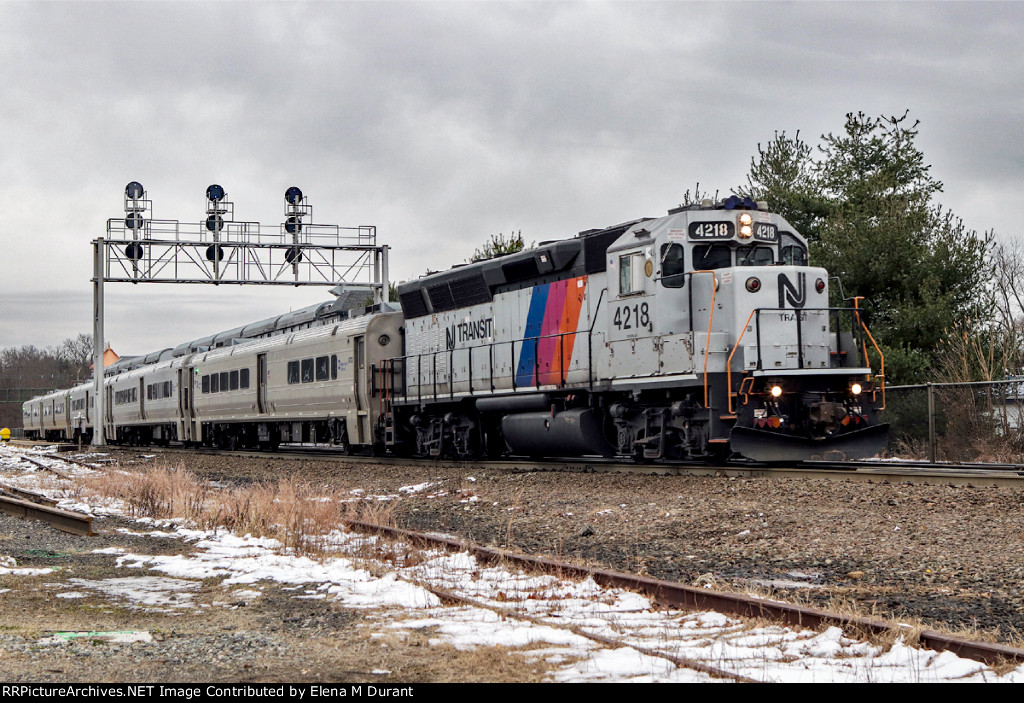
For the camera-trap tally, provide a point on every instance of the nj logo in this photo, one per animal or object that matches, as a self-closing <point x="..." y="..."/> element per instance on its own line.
<point x="796" y="295"/>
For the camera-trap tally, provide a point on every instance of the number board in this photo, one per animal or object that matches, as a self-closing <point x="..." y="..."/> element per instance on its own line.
<point x="765" y="232"/>
<point x="712" y="230"/>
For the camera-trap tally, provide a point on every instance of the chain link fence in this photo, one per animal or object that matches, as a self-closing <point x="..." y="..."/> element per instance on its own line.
<point x="958" y="422"/>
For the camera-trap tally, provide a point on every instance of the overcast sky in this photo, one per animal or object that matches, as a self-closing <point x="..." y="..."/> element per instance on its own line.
<point x="445" y="123"/>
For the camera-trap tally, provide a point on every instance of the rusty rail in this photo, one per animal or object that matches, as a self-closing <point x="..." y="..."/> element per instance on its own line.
<point x="63" y="520"/>
<point x="691" y="598"/>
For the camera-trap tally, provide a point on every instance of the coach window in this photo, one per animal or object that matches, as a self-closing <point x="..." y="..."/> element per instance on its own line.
<point x="334" y="367"/>
<point x="293" y="372"/>
<point x="755" y="256"/>
<point x="243" y="378"/>
<point x="223" y="381"/>
<point x="206" y="384"/>
<point x="307" y="370"/>
<point x="214" y="383"/>
<point x="233" y="381"/>
<point x="712" y="256"/>
<point x="672" y="266"/>
<point x="323" y="371"/>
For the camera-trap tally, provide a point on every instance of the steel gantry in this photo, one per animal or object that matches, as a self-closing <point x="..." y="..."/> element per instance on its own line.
<point x="223" y="251"/>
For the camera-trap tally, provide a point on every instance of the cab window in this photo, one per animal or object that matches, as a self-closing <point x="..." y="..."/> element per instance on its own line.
<point x="672" y="266"/>
<point x="794" y="255"/>
<point x="755" y="256"/>
<point x="631" y="273"/>
<point x="711" y="256"/>
<point x="793" y="252"/>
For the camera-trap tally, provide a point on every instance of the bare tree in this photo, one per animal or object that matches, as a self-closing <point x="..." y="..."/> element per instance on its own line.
<point x="1008" y="301"/>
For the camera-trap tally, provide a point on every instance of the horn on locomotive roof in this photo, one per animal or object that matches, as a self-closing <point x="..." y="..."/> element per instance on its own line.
<point x="735" y="201"/>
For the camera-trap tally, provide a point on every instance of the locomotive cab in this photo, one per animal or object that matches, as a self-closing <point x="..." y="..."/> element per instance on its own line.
<point x="798" y="372"/>
<point x="720" y="301"/>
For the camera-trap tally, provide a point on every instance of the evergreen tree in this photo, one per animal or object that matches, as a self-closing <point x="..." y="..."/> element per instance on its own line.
<point x="498" y="245"/>
<point x="783" y="174"/>
<point x="867" y="205"/>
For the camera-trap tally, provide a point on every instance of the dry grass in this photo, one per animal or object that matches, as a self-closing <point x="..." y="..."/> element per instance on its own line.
<point x="507" y="534"/>
<point x="415" y="655"/>
<point x="299" y="515"/>
<point x="159" y="491"/>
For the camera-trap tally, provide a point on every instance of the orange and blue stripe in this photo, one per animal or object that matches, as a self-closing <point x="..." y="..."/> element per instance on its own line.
<point x="554" y="310"/>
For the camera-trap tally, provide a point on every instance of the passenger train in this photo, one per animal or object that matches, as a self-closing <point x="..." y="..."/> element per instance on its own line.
<point x="702" y="335"/>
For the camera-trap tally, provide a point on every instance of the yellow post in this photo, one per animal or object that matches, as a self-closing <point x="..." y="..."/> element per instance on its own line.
<point x="5" y="435"/>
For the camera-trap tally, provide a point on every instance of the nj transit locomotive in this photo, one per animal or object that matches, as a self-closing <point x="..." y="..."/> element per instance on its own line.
<point x="700" y="335"/>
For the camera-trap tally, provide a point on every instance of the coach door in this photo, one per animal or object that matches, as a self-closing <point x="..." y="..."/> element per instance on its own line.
<point x="108" y="409"/>
<point x="142" y="399"/>
<point x="184" y="409"/>
<point x="362" y="399"/>
<point x="261" y="383"/>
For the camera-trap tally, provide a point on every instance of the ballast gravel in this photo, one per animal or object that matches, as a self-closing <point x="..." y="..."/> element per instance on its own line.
<point x="944" y="556"/>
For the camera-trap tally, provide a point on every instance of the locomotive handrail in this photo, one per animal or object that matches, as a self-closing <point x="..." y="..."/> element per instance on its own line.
<point x="711" y="317"/>
<point x="756" y="313"/>
<point x="881" y="357"/>
<point x="512" y="344"/>
<point x="728" y="362"/>
<point x="562" y="370"/>
<point x="590" y="341"/>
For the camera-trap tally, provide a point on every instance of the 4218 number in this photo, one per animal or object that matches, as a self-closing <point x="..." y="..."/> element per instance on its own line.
<point x="629" y="317"/>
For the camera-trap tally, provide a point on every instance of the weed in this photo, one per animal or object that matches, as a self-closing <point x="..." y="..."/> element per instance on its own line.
<point x="298" y="515"/>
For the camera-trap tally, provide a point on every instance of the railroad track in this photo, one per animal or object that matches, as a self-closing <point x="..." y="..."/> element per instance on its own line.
<point x="32" y="506"/>
<point x="35" y="506"/>
<point x="974" y="474"/>
<point x="680" y="596"/>
<point x="677" y="595"/>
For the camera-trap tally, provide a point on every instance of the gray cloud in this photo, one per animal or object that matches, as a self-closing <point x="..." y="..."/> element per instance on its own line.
<point x="443" y="123"/>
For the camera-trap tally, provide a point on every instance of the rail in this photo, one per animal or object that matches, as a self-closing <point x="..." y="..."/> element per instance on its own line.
<point x="678" y="595"/>
<point x="33" y="506"/>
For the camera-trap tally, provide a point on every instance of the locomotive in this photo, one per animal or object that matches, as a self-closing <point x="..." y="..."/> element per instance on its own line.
<point x="700" y="335"/>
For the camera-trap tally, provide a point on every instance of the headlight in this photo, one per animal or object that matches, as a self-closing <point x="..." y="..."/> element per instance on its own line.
<point x="745" y="221"/>
<point x="856" y="389"/>
<point x="753" y="284"/>
<point x="776" y="391"/>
